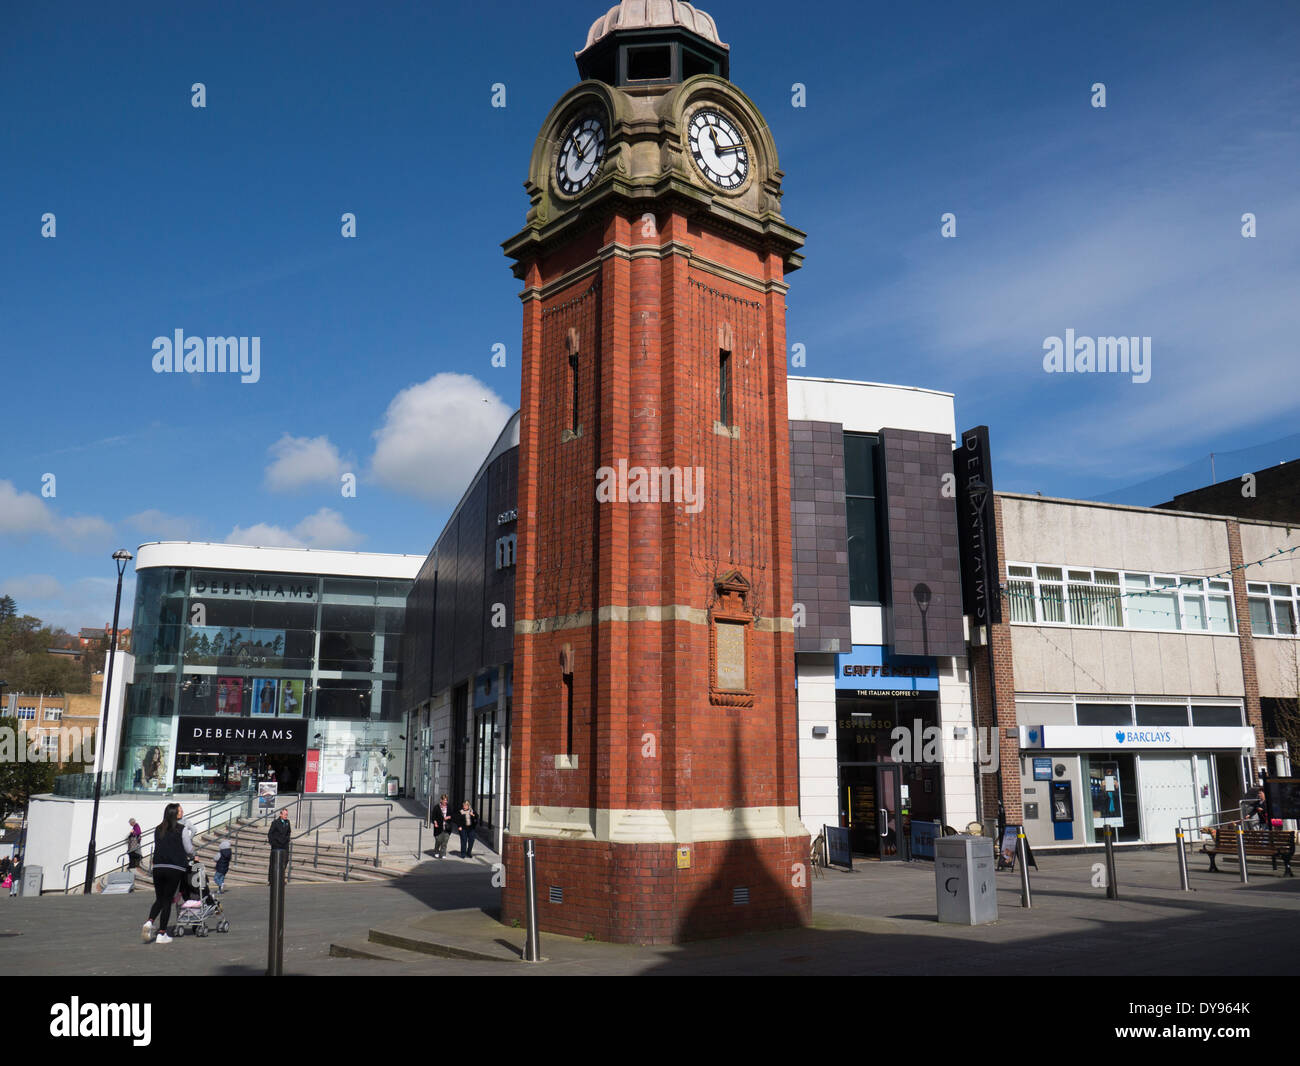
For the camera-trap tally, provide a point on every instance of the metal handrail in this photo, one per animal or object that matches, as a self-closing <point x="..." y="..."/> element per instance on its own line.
<point x="209" y="814"/>
<point x="315" y="862"/>
<point x="386" y="824"/>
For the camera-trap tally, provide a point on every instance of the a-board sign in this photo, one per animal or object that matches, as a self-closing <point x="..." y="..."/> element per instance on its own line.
<point x="839" y="848"/>
<point x="1007" y="852"/>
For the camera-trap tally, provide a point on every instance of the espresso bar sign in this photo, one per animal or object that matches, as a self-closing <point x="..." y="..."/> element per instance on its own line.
<point x="242" y="736"/>
<point x="976" y="527"/>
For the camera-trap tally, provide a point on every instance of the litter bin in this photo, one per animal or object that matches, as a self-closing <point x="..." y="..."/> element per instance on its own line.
<point x="32" y="878"/>
<point x="964" y="882"/>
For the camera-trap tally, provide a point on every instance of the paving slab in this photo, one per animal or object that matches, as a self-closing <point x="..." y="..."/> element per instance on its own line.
<point x="878" y="919"/>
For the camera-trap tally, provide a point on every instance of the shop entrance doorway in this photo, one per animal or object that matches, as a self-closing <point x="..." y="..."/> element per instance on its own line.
<point x="870" y="801"/>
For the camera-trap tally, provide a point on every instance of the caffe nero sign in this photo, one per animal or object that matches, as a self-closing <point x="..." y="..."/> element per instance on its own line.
<point x="242" y="736"/>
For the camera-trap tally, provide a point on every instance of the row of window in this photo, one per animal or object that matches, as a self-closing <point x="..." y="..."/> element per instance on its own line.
<point x="1273" y="609"/>
<point x="1119" y="599"/>
<point x="1134" y="712"/>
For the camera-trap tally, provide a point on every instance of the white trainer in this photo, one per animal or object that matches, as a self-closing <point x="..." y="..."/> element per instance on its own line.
<point x="146" y="931"/>
<point x="162" y="938"/>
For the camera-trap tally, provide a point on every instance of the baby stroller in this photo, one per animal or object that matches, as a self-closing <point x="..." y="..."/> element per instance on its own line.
<point x="199" y="905"/>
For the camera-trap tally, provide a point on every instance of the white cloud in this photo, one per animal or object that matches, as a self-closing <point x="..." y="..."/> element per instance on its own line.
<point x="435" y="435"/>
<point x="155" y="525"/>
<point x="324" y="529"/>
<point x="302" y="461"/>
<point x="25" y="514"/>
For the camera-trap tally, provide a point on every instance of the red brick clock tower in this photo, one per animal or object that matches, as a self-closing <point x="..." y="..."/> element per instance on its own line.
<point x="654" y="756"/>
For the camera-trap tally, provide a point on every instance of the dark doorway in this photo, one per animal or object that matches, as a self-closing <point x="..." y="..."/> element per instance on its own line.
<point x="870" y="801"/>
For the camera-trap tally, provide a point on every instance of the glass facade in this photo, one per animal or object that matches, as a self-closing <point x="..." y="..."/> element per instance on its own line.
<point x="863" y="510"/>
<point x="282" y="648"/>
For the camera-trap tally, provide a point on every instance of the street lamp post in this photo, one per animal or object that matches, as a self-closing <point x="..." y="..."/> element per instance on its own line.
<point x="121" y="558"/>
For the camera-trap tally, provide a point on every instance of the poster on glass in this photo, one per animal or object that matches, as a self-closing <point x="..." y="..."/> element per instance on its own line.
<point x="230" y="696"/>
<point x="149" y="766"/>
<point x="291" y="697"/>
<point x="1107" y="805"/>
<point x="264" y="693"/>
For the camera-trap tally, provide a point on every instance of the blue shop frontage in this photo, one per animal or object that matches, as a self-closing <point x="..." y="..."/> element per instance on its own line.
<point x="890" y="751"/>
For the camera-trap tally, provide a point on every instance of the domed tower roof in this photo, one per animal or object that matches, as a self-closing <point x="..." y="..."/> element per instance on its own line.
<point x="652" y="42"/>
<point x="654" y="14"/>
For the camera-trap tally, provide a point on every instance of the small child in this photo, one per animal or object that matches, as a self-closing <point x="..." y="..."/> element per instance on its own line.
<point x="222" y="866"/>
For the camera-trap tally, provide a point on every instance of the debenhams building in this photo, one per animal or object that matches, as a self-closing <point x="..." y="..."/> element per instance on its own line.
<point x="253" y="664"/>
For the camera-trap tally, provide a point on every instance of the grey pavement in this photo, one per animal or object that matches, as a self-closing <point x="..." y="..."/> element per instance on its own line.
<point x="878" y="919"/>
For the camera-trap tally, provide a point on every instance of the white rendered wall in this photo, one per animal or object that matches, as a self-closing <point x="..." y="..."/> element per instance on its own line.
<point x="58" y="829"/>
<point x="959" y="756"/>
<point x="819" y="782"/>
<point x="868" y="407"/>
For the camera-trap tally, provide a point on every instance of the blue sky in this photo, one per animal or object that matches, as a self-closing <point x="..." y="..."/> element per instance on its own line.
<point x="376" y="351"/>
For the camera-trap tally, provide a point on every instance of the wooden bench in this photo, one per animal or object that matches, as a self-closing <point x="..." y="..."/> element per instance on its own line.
<point x="1272" y="844"/>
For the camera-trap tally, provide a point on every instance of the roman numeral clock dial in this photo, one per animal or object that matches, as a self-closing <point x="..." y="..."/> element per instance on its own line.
<point x="581" y="153"/>
<point x="718" y="149"/>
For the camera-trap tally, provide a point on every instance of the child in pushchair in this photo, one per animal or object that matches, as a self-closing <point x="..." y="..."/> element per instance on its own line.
<point x="199" y="905"/>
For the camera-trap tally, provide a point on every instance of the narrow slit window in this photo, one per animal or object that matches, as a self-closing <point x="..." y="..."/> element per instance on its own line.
<point x="573" y="381"/>
<point x="724" y="387"/>
<point x="568" y="699"/>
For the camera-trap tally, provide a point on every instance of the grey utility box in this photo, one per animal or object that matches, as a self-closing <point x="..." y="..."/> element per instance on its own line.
<point x="964" y="881"/>
<point x="32" y="878"/>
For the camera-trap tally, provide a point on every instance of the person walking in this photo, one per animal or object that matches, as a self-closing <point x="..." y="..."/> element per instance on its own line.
<point x="278" y="836"/>
<point x="443" y="818"/>
<point x="225" y="855"/>
<point x="173" y="850"/>
<point x="467" y="820"/>
<point x="133" y="844"/>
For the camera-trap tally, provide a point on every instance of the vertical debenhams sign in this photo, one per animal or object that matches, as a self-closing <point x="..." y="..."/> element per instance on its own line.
<point x="976" y="526"/>
<point x="242" y="736"/>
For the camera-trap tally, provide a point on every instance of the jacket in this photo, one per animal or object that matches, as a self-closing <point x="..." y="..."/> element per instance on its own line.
<point x="222" y="864"/>
<point x="443" y="823"/>
<point x="467" y="819"/>
<point x="279" y="833"/>
<point x="169" y="851"/>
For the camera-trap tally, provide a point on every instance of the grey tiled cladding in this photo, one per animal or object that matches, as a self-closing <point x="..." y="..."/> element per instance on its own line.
<point x="820" y="536"/>
<point x="449" y="633"/>
<point x="922" y="524"/>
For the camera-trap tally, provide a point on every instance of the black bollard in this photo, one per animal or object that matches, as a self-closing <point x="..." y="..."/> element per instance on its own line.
<point x="1184" y="880"/>
<point x="533" y="945"/>
<point x="1026" y="900"/>
<point x="1241" y="853"/>
<point x="275" y="926"/>
<point x="1112" y="889"/>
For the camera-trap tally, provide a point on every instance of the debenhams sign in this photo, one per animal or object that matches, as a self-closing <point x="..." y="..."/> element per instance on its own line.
<point x="242" y="736"/>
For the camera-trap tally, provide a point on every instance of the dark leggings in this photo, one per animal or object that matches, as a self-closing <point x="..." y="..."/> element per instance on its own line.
<point x="166" y="883"/>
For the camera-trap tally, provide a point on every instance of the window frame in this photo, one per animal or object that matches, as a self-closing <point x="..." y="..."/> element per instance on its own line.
<point x="1026" y="583"/>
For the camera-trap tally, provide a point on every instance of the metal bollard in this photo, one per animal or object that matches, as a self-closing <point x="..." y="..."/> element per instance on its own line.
<point x="1025" y="899"/>
<point x="1183" y="879"/>
<point x="532" y="946"/>
<point x="1112" y="889"/>
<point x="1241" y="853"/>
<point x="275" y="928"/>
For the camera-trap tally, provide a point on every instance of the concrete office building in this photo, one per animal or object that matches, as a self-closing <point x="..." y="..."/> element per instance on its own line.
<point x="1137" y="649"/>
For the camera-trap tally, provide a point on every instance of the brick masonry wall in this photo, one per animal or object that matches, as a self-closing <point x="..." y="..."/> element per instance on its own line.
<point x="634" y="893"/>
<point x="1005" y="682"/>
<point x="922" y="523"/>
<point x="820" y="537"/>
<point x="1249" y="673"/>
<point x="649" y="329"/>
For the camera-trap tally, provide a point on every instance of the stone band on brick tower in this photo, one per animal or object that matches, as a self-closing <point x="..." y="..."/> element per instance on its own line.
<point x="654" y="760"/>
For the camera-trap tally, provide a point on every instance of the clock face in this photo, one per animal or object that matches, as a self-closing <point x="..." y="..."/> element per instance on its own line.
<point x="718" y="149"/>
<point x="581" y="153"/>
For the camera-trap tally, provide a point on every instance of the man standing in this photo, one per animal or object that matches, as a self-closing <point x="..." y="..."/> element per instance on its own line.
<point x="442" y="824"/>
<point x="278" y="835"/>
